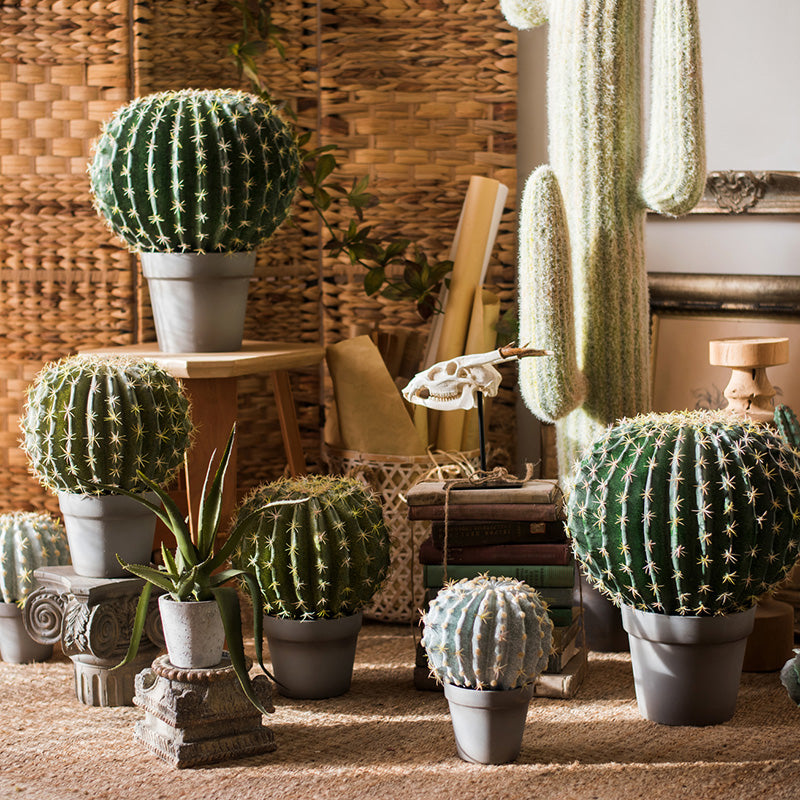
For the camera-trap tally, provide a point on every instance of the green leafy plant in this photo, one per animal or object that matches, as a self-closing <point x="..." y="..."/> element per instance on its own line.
<point x="394" y="268"/>
<point x="195" y="571"/>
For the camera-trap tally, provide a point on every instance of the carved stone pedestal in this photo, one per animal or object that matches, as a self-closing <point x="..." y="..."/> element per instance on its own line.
<point x="200" y="716"/>
<point x="92" y="618"/>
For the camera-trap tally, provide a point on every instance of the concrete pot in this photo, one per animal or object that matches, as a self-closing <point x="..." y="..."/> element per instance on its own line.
<point x="193" y="632"/>
<point x="101" y="527"/>
<point x="16" y="645"/>
<point x="488" y="724"/>
<point x="313" y="658"/>
<point x="198" y="299"/>
<point x="687" y="669"/>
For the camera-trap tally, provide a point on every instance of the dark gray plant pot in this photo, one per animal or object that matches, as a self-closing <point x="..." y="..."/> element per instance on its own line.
<point x="100" y="527"/>
<point x="193" y="632"/>
<point x="312" y="659"/>
<point x="488" y="724"/>
<point x="602" y="620"/>
<point x="16" y="645"/>
<point x="687" y="669"/>
<point x="199" y="299"/>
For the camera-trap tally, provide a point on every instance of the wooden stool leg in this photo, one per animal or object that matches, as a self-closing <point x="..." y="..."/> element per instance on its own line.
<point x="290" y="431"/>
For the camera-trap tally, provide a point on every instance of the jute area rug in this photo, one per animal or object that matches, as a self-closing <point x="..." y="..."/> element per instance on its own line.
<point x="386" y="740"/>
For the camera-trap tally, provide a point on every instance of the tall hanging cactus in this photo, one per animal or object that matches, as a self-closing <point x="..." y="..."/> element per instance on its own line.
<point x="93" y="420"/>
<point x="487" y="633"/>
<point x="195" y="171"/>
<point x="690" y="513"/>
<point x="325" y="557"/>
<point x="582" y="217"/>
<point x="28" y="540"/>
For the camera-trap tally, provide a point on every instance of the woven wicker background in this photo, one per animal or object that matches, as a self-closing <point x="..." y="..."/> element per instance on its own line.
<point x="417" y="95"/>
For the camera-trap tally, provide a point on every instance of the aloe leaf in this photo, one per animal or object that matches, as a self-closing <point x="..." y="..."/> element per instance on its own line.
<point x="151" y="575"/>
<point x="211" y="503"/>
<point x="228" y="602"/>
<point x="138" y="626"/>
<point x="169" y="562"/>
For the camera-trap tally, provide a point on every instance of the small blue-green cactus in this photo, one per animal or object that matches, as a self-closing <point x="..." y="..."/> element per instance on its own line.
<point x="195" y="171"/>
<point x="92" y="420"/>
<point x="28" y="540"/>
<point x="487" y="633"/>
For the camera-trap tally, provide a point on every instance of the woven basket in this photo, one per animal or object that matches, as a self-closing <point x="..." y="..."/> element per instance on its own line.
<point x="391" y="477"/>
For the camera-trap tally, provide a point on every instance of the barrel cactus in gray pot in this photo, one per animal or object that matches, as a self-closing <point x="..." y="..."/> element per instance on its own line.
<point x="92" y="422"/>
<point x="195" y="180"/>
<point x="487" y="641"/>
<point x="684" y="519"/>
<point x="28" y="540"/>
<point x="318" y="562"/>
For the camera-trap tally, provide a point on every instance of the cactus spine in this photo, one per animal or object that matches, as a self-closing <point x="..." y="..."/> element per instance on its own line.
<point x="596" y="170"/>
<point x="690" y="513"/>
<point x="195" y="171"/>
<point x="325" y="557"/>
<point x="28" y="540"/>
<point x="93" y="420"/>
<point x="487" y="633"/>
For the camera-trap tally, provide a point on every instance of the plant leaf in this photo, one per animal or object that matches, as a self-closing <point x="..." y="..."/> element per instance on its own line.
<point x="211" y="503"/>
<point x="151" y="575"/>
<point x="138" y="625"/>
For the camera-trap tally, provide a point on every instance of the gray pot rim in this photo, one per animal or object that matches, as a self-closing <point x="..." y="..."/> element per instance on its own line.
<point x="312" y="630"/>
<point x="676" y="629"/>
<point x="198" y="266"/>
<point x="82" y="505"/>
<point x="488" y="698"/>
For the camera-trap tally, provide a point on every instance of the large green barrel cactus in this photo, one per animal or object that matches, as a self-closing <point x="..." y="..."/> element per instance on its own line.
<point x="787" y="425"/>
<point x="93" y="420"/>
<point x="323" y="557"/>
<point x="28" y="540"/>
<point x="195" y="171"/>
<point x="487" y="633"/>
<point x="582" y="280"/>
<point x="691" y="513"/>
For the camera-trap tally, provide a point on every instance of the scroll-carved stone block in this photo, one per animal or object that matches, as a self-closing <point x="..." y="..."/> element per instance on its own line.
<point x="198" y="717"/>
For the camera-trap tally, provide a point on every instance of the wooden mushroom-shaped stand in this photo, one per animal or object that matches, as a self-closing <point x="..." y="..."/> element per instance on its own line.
<point x="750" y="394"/>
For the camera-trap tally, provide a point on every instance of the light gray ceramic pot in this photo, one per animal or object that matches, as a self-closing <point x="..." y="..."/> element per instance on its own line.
<point x="100" y="527"/>
<point x="16" y="645"/>
<point x="687" y="669"/>
<point x="488" y="724"/>
<point x="193" y="632"/>
<point x="198" y="299"/>
<point x="313" y="659"/>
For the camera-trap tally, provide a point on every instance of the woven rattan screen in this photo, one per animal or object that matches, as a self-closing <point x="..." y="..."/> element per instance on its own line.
<point x="417" y="95"/>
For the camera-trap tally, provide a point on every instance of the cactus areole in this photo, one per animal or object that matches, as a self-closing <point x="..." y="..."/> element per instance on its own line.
<point x="692" y="513"/>
<point x="195" y="171"/>
<point x="93" y="420"/>
<point x="324" y="557"/>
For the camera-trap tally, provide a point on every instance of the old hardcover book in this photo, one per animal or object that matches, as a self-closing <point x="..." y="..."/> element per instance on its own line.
<point x="545" y="553"/>
<point x="485" y="512"/>
<point x="563" y="684"/>
<point x="568" y="648"/>
<point x="563" y="634"/>
<point x="432" y="493"/>
<point x="545" y="579"/>
<point x="480" y="532"/>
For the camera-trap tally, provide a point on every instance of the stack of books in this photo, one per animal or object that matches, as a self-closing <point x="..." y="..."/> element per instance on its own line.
<point x="505" y="531"/>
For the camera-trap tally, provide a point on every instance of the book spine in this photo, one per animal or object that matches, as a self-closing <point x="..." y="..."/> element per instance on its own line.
<point x="560" y="617"/>
<point x="497" y="532"/>
<point x="431" y="494"/>
<point x="548" y="554"/>
<point x="541" y="577"/>
<point x="485" y="512"/>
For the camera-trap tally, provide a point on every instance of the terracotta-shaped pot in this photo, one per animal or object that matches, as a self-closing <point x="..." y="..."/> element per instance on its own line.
<point x="313" y="658"/>
<point x="101" y="527"/>
<point x="193" y="632"/>
<point x="198" y="299"/>
<point x="488" y="724"/>
<point x="687" y="669"/>
<point x="16" y="645"/>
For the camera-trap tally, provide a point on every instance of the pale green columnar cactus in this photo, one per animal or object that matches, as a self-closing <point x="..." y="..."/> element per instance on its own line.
<point x="487" y="633"/>
<point x="596" y="170"/>
<point x="323" y="557"/>
<point x="690" y="513"/>
<point x="28" y="540"/>
<point x="195" y="171"/>
<point x="93" y="420"/>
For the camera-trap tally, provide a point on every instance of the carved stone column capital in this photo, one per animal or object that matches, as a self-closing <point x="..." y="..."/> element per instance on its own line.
<point x="43" y="615"/>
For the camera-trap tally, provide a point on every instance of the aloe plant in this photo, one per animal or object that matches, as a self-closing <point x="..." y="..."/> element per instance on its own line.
<point x="194" y="571"/>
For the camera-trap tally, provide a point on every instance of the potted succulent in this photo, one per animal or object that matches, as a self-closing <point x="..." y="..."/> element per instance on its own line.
<point x="487" y="641"/>
<point x="27" y="540"/>
<point x="684" y="519"/>
<point x="195" y="180"/>
<point x="92" y="426"/>
<point x="317" y="563"/>
<point x="198" y="611"/>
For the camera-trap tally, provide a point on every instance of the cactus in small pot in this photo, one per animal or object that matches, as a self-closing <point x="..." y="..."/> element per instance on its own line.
<point x="195" y="180"/>
<point x="92" y="422"/>
<point x="28" y="540"/>
<point x="687" y="517"/>
<point x="487" y="641"/>
<point x="318" y="563"/>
